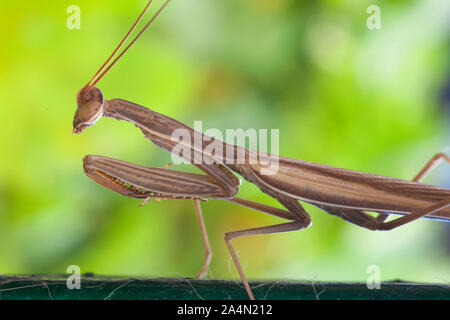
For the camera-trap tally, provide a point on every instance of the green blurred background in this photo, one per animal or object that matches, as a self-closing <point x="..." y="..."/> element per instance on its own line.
<point x="341" y="94"/>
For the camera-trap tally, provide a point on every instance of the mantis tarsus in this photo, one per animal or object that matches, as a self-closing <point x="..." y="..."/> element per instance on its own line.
<point x="344" y="193"/>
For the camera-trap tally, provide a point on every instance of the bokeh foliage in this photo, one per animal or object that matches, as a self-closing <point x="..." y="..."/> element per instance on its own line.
<point x="341" y="94"/>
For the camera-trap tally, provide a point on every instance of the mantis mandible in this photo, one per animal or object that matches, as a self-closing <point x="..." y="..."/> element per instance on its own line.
<point x="345" y="193"/>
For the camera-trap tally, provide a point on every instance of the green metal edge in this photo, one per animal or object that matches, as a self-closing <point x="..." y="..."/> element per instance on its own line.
<point x="54" y="287"/>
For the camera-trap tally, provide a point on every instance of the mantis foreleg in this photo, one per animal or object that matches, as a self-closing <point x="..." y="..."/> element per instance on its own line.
<point x="141" y="182"/>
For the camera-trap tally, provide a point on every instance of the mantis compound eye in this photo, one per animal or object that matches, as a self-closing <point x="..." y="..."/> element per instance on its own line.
<point x="90" y="108"/>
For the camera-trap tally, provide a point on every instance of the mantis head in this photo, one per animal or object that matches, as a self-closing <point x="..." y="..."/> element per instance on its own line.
<point x="90" y="100"/>
<point x="90" y="108"/>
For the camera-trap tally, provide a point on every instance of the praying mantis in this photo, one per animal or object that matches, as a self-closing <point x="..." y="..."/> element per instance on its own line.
<point x="344" y="193"/>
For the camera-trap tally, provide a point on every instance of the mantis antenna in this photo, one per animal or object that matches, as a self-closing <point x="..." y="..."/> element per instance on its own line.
<point x="102" y="71"/>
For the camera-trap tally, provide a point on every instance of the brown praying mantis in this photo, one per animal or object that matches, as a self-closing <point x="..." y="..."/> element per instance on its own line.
<point x="344" y="193"/>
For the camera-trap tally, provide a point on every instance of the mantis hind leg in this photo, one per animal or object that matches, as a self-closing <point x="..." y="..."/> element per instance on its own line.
<point x="431" y="164"/>
<point x="355" y="216"/>
<point x="414" y="215"/>
<point x="364" y="220"/>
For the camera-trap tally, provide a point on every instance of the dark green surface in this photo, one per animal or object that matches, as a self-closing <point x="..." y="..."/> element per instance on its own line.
<point x="100" y="288"/>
